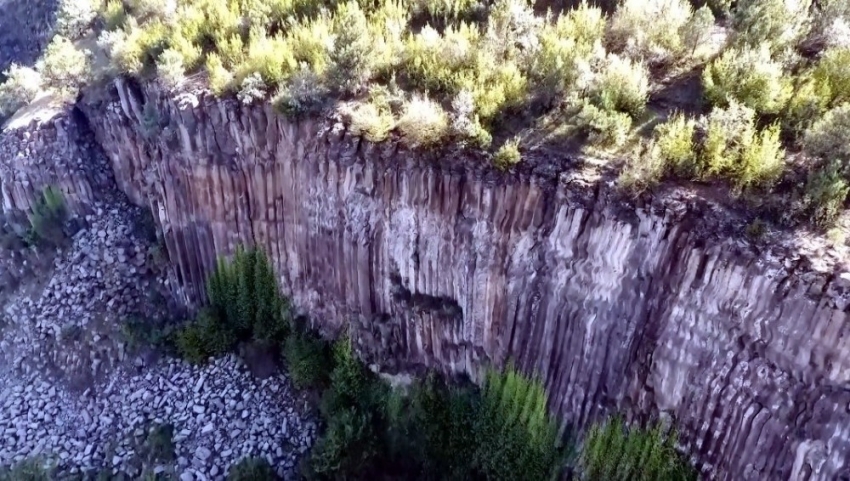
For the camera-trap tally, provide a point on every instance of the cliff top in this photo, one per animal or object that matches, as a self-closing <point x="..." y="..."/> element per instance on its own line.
<point x="744" y="105"/>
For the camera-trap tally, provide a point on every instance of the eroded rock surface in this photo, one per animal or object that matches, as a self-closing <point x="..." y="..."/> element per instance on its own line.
<point x="437" y="261"/>
<point x="72" y="388"/>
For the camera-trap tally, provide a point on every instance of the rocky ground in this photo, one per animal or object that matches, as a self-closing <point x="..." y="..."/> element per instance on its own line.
<point x="72" y="390"/>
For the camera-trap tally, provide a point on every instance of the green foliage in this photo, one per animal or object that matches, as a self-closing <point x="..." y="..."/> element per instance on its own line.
<point x="113" y="14"/>
<point x="827" y="138"/>
<point x="508" y="154"/>
<point x="252" y="469"/>
<point x="350" y="62"/>
<point x="825" y="192"/>
<point x="244" y="294"/>
<point x="635" y="28"/>
<point x="516" y="438"/>
<point x="423" y="122"/>
<point x="604" y="128"/>
<point x="372" y="120"/>
<point x="159" y="444"/>
<point x="774" y="24"/>
<point x="21" y="87"/>
<point x="74" y="17"/>
<point x="622" y="86"/>
<point x="614" y="452"/>
<point x="30" y="469"/>
<point x="308" y="359"/>
<point x="304" y="93"/>
<point x="750" y="76"/>
<point x="138" y="333"/>
<point x="47" y="217"/>
<point x="207" y="336"/>
<point x="697" y="31"/>
<point x="675" y="141"/>
<point x="64" y="66"/>
<point x="832" y="75"/>
<point x="735" y="148"/>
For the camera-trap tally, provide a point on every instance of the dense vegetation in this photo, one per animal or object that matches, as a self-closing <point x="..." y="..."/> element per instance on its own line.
<point x="771" y="102"/>
<point x="432" y="429"/>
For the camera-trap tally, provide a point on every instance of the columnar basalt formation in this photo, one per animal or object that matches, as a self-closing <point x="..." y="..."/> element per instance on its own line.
<point x="438" y="261"/>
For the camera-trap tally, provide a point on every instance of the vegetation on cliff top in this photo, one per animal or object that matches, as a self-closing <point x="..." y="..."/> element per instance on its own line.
<point x="753" y="95"/>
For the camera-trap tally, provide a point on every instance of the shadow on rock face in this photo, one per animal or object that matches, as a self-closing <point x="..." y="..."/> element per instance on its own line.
<point x="261" y="358"/>
<point x="26" y="26"/>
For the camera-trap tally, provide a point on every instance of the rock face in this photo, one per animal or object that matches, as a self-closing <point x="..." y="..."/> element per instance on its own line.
<point x="439" y="262"/>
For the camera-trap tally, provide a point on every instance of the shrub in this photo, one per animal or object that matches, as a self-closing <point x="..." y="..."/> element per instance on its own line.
<point x="304" y="93"/>
<point x="622" y="85"/>
<point x="827" y="138"/>
<point x="245" y="295"/>
<point x="749" y="76"/>
<point x="616" y="452"/>
<point x="465" y="123"/>
<point x="159" y="444"/>
<point x="808" y="104"/>
<point x="21" y="87"/>
<point x="161" y="10"/>
<point x="74" y="17"/>
<point x="47" y="217"/>
<point x="735" y="148"/>
<point x="220" y="78"/>
<point x="636" y="30"/>
<point x="825" y="193"/>
<point x="388" y="26"/>
<point x="64" y="66"/>
<point x="604" y="128"/>
<point x="371" y="120"/>
<point x="350" y="62"/>
<point x="252" y="89"/>
<point x="207" y="336"/>
<point x="113" y="14"/>
<point x="832" y="73"/>
<point x="423" y="122"/>
<point x="29" y="469"/>
<point x="698" y="30"/>
<point x="512" y="30"/>
<point x="508" y="154"/>
<point x="773" y="24"/>
<point x="644" y="168"/>
<point x="311" y="41"/>
<point x="138" y="47"/>
<point x="443" y="64"/>
<point x="170" y="68"/>
<point x="516" y="437"/>
<point x="498" y="86"/>
<point x="566" y="47"/>
<point x="252" y="469"/>
<point x="832" y="23"/>
<point x="271" y="58"/>
<point x="762" y="158"/>
<point x="308" y="360"/>
<point x="675" y="142"/>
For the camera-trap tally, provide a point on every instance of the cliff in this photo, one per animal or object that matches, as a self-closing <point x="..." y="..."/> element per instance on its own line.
<point x="435" y="260"/>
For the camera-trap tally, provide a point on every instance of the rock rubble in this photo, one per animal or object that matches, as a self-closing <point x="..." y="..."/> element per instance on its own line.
<point x="74" y="393"/>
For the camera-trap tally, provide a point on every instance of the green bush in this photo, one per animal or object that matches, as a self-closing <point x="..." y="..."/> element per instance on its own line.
<point x="825" y="193"/>
<point x="827" y="138"/>
<point x="308" y="360"/>
<point x="74" y="17"/>
<point x="774" y="24"/>
<point x="832" y="74"/>
<point x="244" y="295"/>
<point x="220" y="78"/>
<point x="350" y="61"/>
<point x="622" y="85"/>
<point x="64" y="66"/>
<point x="675" y="142"/>
<point x="750" y="76"/>
<point x="423" y="122"/>
<point x="643" y="169"/>
<point x="304" y="93"/>
<point x="604" y="128"/>
<point x="30" y="469"/>
<point x="47" y="218"/>
<point x="170" y="68"/>
<point x="372" y="120"/>
<point x="508" y="154"/>
<point x="253" y="89"/>
<point x="515" y="436"/>
<point x="113" y="14"/>
<point x="252" y="469"/>
<point x="207" y="336"/>
<point x="735" y="148"/>
<point x="614" y="452"/>
<point x="635" y="28"/>
<point x="21" y="87"/>
<point x="697" y="32"/>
